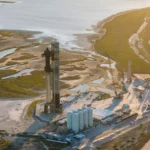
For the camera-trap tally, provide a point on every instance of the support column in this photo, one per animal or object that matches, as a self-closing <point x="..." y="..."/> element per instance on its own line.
<point x="129" y="74"/>
<point x="56" y="74"/>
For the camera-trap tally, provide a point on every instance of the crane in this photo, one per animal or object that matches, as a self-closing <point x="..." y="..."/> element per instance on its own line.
<point x="113" y="81"/>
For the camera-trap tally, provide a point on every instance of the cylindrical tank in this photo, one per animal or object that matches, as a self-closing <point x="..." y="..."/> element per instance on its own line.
<point x="69" y="120"/>
<point x="81" y="120"/>
<point x="84" y="107"/>
<point x="90" y="115"/>
<point x="85" y="115"/>
<point x="75" y="122"/>
<point x="74" y="111"/>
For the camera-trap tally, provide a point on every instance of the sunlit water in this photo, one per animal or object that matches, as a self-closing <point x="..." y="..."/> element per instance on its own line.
<point x="6" y="52"/>
<point x="82" y="88"/>
<point x="19" y="73"/>
<point x="99" y="81"/>
<point x="62" y="18"/>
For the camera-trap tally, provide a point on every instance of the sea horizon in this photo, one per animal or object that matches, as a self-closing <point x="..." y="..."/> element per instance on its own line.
<point x="62" y="19"/>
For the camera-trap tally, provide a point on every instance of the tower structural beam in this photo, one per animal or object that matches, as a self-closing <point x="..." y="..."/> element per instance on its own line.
<point x="56" y="73"/>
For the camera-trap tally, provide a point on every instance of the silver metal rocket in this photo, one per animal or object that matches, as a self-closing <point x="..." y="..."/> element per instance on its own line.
<point x="52" y="78"/>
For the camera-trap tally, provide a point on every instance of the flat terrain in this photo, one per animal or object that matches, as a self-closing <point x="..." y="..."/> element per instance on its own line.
<point x="22" y="66"/>
<point x="22" y="77"/>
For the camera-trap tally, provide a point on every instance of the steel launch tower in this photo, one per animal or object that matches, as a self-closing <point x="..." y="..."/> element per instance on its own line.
<point x="52" y="78"/>
<point x="55" y="73"/>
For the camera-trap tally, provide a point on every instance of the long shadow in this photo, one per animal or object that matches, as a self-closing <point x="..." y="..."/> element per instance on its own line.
<point x="68" y="105"/>
<point x="33" y="128"/>
<point x="114" y="104"/>
<point x="127" y="85"/>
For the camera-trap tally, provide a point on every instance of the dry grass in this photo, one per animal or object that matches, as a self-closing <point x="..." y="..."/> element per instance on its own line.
<point x="76" y="77"/>
<point x="145" y="36"/>
<point x="3" y="60"/>
<point x="24" y="56"/>
<point x="115" y="41"/>
<point x="8" y="72"/>
<point x="32" y="107"/>
<point x="12" y="63"/>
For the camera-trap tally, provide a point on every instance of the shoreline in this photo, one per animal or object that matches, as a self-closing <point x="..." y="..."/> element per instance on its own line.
<point x="101" y="32"/>
<point x="76" y="54"/>
<point x="8" y="1"/>
<point x="98" y="32"/>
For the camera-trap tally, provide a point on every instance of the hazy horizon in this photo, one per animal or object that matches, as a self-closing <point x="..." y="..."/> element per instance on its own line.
<point x="62" y="18"/>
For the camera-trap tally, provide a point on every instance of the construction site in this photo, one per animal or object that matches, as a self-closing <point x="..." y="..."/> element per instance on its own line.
<point x="88" y="114"/>
<point x="83" y="115"/>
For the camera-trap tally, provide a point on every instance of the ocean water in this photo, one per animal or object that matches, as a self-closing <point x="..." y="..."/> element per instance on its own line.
<point x="62" y="18"/>
<point x="6" y="52"/>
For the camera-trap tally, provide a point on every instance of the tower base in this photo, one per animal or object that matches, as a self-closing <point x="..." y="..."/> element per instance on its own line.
<point x="48" y="108"/>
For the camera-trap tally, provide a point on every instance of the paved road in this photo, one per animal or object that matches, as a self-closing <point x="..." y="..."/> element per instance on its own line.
<point x="96" y="136"/>
<point x="101" y="134"/>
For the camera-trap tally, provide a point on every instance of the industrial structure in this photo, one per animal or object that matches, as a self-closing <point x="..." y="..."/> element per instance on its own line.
<point x="52" y="78"/>
<point x="80" y="119"/>
<point x="129" y="74"/>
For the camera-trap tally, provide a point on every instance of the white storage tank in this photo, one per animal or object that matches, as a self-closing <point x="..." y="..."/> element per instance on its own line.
<point x="85" y="115"/>
<point x="74" y="111"/>
<point x="75" y="122"/>
<point x="69" y="120"/>
<point x="84" y="107"/>
<point x="90" y="115"/>
<point x="81" y="119"/>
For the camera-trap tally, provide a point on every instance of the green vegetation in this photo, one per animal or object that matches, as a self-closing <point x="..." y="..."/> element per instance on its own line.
<point x="130" y="140"/>
<point x="32" y="107"/>
<point x="27" y="46"/>
<point x="3" y="60"/>
<point x="80" y="68"/>
<point x="23" y="86"/>
<point x="12" y="63"/>
<point x="8" y="72"/>
<point x="34" y="81"/>
<point x="72" y="67"/>
<point x="6" y="33"/>
<point x="25" y="56"/>
<point x="64" y="85"/>
<point x="105" y="96"/>
<point x="69" y="61"/>
<point x="145" y="36"/>
<point x="25" y="63"/>
<point x="4" y="144"/>
<point x="115" y="41"/>
<point x="9" y="89"/>
<point x="59" y="110"/>
<point x="76" y="77"/>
